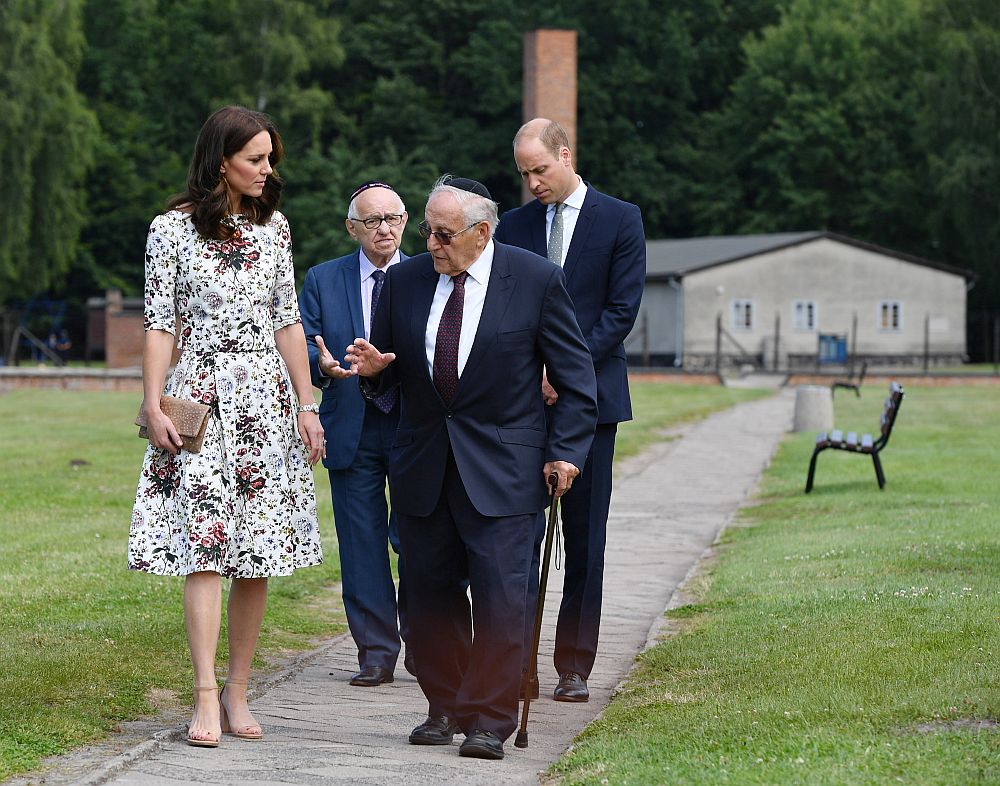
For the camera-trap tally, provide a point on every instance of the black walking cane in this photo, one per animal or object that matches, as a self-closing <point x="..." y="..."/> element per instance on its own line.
<point x="521" y="740"/>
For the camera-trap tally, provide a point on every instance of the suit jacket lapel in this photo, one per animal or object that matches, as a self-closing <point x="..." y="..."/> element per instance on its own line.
<point x="352" y="286"/>
<point x="538" y="244"/>
<point x="498" y="294"/>
<point x="581" y="232"/>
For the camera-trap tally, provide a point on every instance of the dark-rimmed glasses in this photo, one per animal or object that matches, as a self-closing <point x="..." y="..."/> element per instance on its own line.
<point x="444" y="238"/>
<point x="374" y="222"/>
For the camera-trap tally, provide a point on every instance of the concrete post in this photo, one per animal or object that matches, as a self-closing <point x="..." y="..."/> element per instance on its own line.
<point x="813" y="408"/>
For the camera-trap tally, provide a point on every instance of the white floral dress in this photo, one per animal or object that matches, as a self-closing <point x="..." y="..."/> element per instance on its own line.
<point x="245" y="505"/>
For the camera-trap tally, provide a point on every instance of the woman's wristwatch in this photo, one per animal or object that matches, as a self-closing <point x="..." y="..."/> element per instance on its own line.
<point x="314" y="408"/>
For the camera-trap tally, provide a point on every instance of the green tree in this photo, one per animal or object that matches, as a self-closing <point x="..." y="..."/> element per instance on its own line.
<point x="396" y="91"/>
<point x="47" y="135"/>
<point x="961" y="132"/>
<point x="439" y="83"/>
<point x="638" y="103"/>
<point x="821" y="128"/>
<point x="155" y="69"/>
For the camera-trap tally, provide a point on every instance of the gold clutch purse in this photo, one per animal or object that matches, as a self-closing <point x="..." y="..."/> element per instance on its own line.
<point x="189" y="418"/>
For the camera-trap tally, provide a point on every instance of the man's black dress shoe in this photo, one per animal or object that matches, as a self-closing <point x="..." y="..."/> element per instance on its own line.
<point x="435" y="731"/>
<point x="529" y="688"/>
<point x="571" y="687"/>
<point x="371" y="676"/>
<point x="408" y="663"/>
<point x="482" y="745"/>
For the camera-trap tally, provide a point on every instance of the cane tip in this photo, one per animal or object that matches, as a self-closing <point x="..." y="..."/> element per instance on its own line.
<point x="521" y="740"/>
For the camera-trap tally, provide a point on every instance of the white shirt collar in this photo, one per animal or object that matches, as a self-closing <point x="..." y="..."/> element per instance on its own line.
<point x="479" y="271"/>
<point x="575" y="199"/>
<point x="367" y="267"/>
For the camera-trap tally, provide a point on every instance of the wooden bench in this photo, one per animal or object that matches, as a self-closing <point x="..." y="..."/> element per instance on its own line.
<point x="850" y="383"/>
<point x="866" y="444"/>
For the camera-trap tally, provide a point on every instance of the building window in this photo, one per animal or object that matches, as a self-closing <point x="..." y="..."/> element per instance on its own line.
<point x="890" y="315"/>
<point x="804" y="315"/>
<point x="742" y="315"/>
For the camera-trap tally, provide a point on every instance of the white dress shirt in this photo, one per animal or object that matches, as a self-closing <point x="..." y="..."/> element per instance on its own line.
<point x="368" y="285"/>
<point x="472" y="310"/>
<point x="570" y="213"/>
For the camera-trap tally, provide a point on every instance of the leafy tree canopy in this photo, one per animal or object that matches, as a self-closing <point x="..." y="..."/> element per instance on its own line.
<point x="876" y="118"/>
<point x="47" y="138"/>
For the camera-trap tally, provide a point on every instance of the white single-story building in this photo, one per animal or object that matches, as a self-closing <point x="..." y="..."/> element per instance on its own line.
<point x="796" y="300"/>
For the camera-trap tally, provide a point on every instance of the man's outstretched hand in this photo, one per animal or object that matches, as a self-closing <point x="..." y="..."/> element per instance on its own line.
<point x="365" y="359"/>
<point x="328" y="364"/>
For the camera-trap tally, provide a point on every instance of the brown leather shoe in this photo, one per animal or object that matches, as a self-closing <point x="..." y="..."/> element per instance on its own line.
<point x="571" y="687"/>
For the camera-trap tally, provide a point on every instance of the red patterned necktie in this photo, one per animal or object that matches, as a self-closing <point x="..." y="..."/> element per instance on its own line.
<point x="387" y="400"/>
<point x="448" y="335"/>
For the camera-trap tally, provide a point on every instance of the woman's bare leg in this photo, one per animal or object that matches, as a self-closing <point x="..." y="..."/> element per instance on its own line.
<point x="247" y="601"/>
<point x="202" y="618"/>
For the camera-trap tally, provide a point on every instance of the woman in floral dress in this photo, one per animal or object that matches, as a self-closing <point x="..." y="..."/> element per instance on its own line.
<point x="219" y="273"/>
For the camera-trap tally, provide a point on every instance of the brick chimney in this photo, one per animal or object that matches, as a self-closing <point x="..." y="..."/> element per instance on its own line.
<point x="550" y="81"/>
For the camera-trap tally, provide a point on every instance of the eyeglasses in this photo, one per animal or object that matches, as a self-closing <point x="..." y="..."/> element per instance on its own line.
<point x="374" y="222"/>
<point x="444" y="238"/>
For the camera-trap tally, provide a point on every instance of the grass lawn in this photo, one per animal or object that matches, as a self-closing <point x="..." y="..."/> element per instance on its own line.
<point x="85" y="643"/>
<point x="850" y="636"/>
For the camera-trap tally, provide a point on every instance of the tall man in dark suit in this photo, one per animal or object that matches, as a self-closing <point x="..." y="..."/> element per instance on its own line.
<point x="337" y="302"/>
<point x="599" y="242"/>
<point x="465" y="331"/>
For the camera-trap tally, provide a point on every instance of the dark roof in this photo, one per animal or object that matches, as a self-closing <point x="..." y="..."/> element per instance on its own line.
<point x="667" y="259"/>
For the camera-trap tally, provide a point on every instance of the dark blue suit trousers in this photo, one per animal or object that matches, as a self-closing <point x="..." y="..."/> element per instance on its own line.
<point x="605" y="272"/>
<point x="359" y="437"/>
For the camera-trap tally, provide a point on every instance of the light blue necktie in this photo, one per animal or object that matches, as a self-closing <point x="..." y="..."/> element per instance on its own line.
<point x="555" y="250"/>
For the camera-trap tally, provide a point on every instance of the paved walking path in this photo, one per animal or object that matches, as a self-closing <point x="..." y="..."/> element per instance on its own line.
<point x="669" y="505"/>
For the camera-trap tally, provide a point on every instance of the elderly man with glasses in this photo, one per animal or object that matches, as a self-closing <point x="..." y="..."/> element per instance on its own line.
<point x="337" y="302"/>
<point x="463" y="333"/>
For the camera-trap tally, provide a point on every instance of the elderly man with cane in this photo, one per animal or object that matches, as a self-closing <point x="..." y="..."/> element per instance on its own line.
<point x="463" y="332"/>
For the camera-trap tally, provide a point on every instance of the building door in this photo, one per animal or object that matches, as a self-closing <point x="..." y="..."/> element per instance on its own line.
<point x="832" y="348"/>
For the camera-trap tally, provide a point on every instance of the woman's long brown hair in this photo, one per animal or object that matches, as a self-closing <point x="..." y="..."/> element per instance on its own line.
<point x="224" y="134"/>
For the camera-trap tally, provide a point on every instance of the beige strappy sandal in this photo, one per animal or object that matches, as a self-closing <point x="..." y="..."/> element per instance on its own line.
<point x="251" y="731"/>
<point x="195" y="741"/>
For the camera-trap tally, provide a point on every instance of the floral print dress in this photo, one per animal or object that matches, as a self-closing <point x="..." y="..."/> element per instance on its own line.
<point x="245" y="505"/>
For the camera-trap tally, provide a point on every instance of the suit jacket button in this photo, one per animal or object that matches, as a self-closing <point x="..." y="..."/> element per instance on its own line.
<point x="448" y="416"/>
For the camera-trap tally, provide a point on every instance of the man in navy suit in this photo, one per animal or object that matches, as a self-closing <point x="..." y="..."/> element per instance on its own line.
<point x="337" y="302"/>
<point x="464" y="334"/>
<point x="599" y="243"/>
